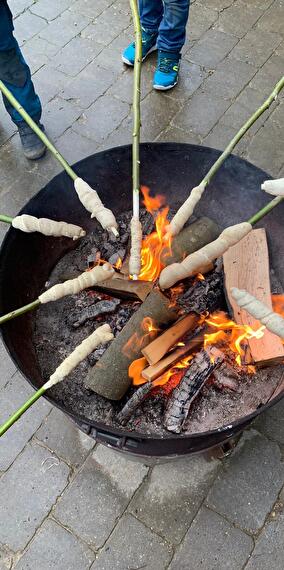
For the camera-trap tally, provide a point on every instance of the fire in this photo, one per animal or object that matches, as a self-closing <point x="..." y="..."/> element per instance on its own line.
<point x="154" y="247"/>
<point x="138" y="340"/>
<point x="230" y="334"/>
<point x="118" y="264"/>
<point x="135" y="371"/>
<point x="278" y="304"/>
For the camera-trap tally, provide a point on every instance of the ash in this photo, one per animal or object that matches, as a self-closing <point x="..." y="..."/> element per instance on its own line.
<point x="62" y="325"/>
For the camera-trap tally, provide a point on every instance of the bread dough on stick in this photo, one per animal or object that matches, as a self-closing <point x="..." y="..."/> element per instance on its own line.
<point x="100" y="336"/>
<point x="135" y="251"/>
<point x="200" y="261"/>
<point x="73" y="286"/>
<point x="92" y="202"/>
<point x="28" y="224"/>
<point x="260" y="311"/>
<point x="185" y="211"/>
<point x="274" y="187"/>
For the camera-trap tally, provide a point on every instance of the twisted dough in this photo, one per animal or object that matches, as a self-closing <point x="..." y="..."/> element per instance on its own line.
<point x="100" y="336"/>
<point x="274" y="187"/>
<point x="260" y="311"/>
<point x="73" y="286"/>
<point x="185" y="211"/>
<point x="135" y="251"/>
<point x="91" y="201"/>
<point x="200" y="261"/>
<point x="28" y="224"/>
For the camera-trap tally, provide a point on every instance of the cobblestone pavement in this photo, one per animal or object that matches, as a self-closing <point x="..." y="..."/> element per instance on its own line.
<point x="66" y="503"/>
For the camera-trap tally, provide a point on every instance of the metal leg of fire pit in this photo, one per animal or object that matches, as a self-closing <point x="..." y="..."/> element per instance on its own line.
<point x="223" y="450"/>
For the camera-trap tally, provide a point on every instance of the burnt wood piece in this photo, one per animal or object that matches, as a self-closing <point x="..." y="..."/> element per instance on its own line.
<point x="126" y="289"/>
<point x="100" y="308"/>
<point x="189" y="387"/>
<point x="192" y="238"/>
<point x="204" y="295"/>
<point x="109" y="377"/>
<point x="226" y="378"/>
<point x="136" y="399"/>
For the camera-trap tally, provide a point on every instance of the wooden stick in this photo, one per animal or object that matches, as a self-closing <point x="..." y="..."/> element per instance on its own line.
<point x="127" y="289"/>
<point x="159" y="347"/>
<point x="136" y="399"/>
<point x="6" y="219"/>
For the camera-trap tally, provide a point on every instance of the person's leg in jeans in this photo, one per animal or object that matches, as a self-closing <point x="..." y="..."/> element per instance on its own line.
<point x="171" y="38"/>
<point x="151" y="14"/>
<point x="16" y="75"/>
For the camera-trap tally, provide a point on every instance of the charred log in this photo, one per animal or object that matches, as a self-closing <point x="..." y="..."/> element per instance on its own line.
<point x="94" y="311"/>
<point x="134" y="402"/>
<point x="204" y="295"/>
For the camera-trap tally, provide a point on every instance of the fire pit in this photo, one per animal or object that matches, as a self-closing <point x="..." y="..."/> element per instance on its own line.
<point x="27" y="261"/>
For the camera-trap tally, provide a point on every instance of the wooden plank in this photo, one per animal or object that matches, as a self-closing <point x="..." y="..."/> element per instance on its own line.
<point x="159" y="347"/>
<point x="246" y="266"/>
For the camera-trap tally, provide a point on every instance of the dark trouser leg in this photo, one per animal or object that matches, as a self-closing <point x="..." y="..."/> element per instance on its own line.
<point x="173" y="25"/>
<point x="151" y="13"/>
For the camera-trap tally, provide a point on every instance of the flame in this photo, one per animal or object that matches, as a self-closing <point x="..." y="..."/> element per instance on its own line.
<point x="137" y="340"/>
<point x="278" y="304"/>
<point x="154" y="246"/>
<point x="230" y="333"/>
<point x="118" y="263"/>
<point x="135" y="371"/>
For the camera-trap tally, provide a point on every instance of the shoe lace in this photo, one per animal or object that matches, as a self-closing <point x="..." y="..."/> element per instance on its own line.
<point x="166" y="64"/>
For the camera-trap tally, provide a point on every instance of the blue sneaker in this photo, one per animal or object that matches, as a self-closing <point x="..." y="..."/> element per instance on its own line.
<point x="148" y="45"/>
<point x="166" y="74"/>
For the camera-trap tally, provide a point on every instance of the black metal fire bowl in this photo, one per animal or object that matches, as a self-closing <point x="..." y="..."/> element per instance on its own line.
<point x="172" y="169"/>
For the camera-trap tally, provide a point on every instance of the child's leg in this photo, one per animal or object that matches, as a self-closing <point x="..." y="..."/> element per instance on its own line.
<point x="173" y="25"/>
<point x="151" y="13"/>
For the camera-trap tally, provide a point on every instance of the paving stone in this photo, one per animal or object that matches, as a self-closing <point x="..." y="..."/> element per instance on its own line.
<point x="64" y="28"/>
<point x="110" y="56"/>
<point x="76" y="55"/>
<point x="238" y="19"/>
<point x="13" y="396"/>
<point x="89" y="85"/>
<point x="101" y="118"/>
<point x="107" y="26"/>
<point x="132" y="545"/>
<point x="212" y="48"/>
<point x="8" y="367"/>
<point x="256" y="46"/>
<point x="269" y="549"/>
<point x="49" y="10"/>
<point x="242" y="108"/>
<point x="89" y="7"/>
<point x="61" y="435"/>
<point x="229" y="79"/>
<point x="28" y="490"/>
<point x="123" y="86"/>
<point x="271" y="423"/>
<point x="222" y="134"/>
<point x="38" y="53"/>
<point x="244" y="491"/>
<point x="156" y="111"/>
<point x="266" y="148"/>
<point x="191" y="77"/>
<point x="169" y="500"/>
<point x="105" y="484"/>
<point x="174" y="134"/>
<point x="74" y="147"/>
<point x="212" y="543"/>
<point x="6" y="559"/>
<point x="218" y="5"/>
<point x="261" y="4"/>
<point x="268" y="75"/>
<point x="7" y="127"/>
<point x="20" y="5"/>
<point x="54" y="547"/>
<point x="28" y="25"/>
<point x="201" y="113"/>
<point x="273" y="18"/>
<point x="200" y="20"/>
<point x="59" y="115"/>
<point x="47" y="89"/>
<point x="120" y="136"/>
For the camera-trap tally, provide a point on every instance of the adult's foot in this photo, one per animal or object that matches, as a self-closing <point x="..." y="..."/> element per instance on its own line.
<point x="33" y="147"/>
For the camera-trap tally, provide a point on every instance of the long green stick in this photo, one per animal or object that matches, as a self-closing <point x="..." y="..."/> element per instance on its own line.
<point x="6" y="219"/>
<point x="136" y="107"/>
<point x="14" y="418"/>
<point x="37" y="130"/>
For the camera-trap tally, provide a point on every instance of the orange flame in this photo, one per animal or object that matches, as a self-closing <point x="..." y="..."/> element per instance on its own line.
<point x="154" y="247"/>
<point x="137" y="340"/>
<point x="118" y="263"/>
<point x="278" y="304"/>
<point x="135" y="371"/>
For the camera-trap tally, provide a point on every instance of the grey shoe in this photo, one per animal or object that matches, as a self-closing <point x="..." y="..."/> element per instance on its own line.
<point x="33" y="147"/>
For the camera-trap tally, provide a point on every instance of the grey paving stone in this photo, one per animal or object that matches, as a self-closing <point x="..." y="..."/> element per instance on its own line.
<point x="229" y="79"/>
<point x="120" y="136"/>
<point x="16" y="392"/>
<point x="28" y="25"/>
<point x="20" y="5"/>
<point x="132" y="545"/>
<point x="212" y="48"/>
<point x="47" y="89"/>
<point x="27" y="491"/>
<point x="89" y="7"/>
<point x="245" y="491"/>
<point x="218" y="5"/>
<point x="174" y="134"/>
<point x="49" y="10"/>
<point x="271" y="423"/>
<point x="238" y="18"/>
<point x="101" y="118"/>
<point x="220" y="137"/>
<point x="212" y="543"/>
<point x="242" y="109"/>
<point x="261" y="4"/>
<point x="38" y="53"/>
<point x="110" y="56"/>
<point x="89" y="85"/>
<point x="200" y="20"/>
<point x="55" y="548"/>
<point x="8" y="367"/>
<point x="7" y="127"/>
<point x="64" y="28"/>
<point x="6" y="559"/>
<point x="75" y="147"/>
<point x="59" y="115"/>
<point x="76" y="55"/>
<point x="156" y="111"/>
<point x="170" y="499"/>
<point x="268" y="75"/>
<point x="269" y="549"/>
<point x="273" y="18"/>
<point x="61" y="435"/>
<point x="191" y="77"/>
<point x="107" y="26"/>
<point x="123" y="86"/>
<point x="105" y="485"/>
<point x="201" y="113"/>
<point x="266" y="148"/>
<point x="256" y="46"/>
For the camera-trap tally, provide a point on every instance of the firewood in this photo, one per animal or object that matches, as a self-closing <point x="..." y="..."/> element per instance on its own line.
<point x="161" y="345"/>
<point x="182" y="397"/>
<point x="109" y="377"/>
<point x="156" y="370"/>
<point x="126" y="289"/>
<point x="136" y="399"/>
<point x="100" y="308"/>
<point x="246" y="266"/>
<point x="226" y="377"/>
<point x="191" y="238"/>
<point x="205" y="295"/>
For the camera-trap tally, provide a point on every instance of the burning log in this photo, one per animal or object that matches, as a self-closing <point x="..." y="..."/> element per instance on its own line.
<point x="126" y="289"/>
<point x="182" y="397"/>
<point x="133" y="402"/>
<point x="109" y="377"/>
<point x="205" y="295"/>
<point x="246" y="266"/>
<point x="192" y="238"/>
<point x="94" y="311"/>
<point x="161" y="345"/>
<point x="226" y="377"/>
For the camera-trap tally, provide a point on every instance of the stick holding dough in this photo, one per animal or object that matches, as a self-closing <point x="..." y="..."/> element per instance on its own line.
<point x="185" y="211"/>
<point x="135" y="251"/>
<point x="274" y="187"/>
<point x="29" y="224"/>
<point x="73" y="286"/>
<point x="201" y="261"/>
<point x="92" y="202"/>
<point x="260" y="311"/>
